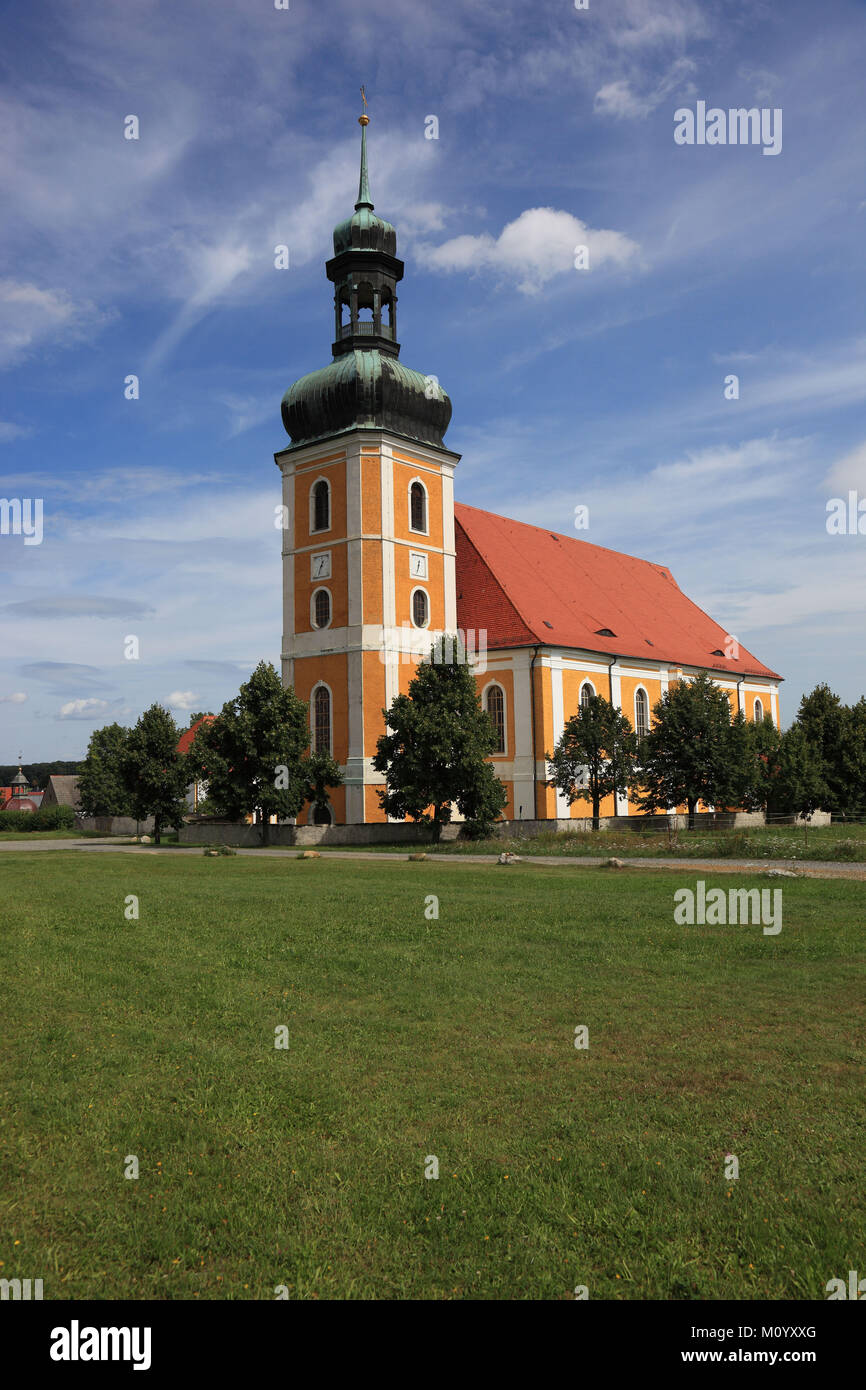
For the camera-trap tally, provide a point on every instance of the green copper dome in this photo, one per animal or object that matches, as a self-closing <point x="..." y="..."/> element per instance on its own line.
<point x="366" y="389"/>
<point x="365" y="386"/>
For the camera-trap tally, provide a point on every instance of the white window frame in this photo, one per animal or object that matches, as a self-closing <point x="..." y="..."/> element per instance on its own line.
<point x="757" y="704"/>
<point x="419" y="589"/>
<point x="423" y="486"/>
<point x="642" y="690"/>
<point x="323" y="529"/>
<point x="317" y="627"/>
<point x="499" y="686"/>
<point x="324" y="686"/>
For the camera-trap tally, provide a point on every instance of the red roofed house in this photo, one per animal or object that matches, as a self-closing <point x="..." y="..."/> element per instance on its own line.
<point x="197" y="791"/>
<point x="377" y="558"/>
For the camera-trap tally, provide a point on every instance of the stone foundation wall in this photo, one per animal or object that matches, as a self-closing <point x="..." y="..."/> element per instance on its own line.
<point x="213" y="832"/>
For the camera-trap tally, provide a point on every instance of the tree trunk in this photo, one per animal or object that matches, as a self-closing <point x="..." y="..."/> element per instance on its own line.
<point x="596" y="804"/>
<point x="157" y="827"/>
<point x="266" y="829"/>
<point x="691" y="806"/>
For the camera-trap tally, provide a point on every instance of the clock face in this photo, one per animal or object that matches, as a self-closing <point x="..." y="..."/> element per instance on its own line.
<point x="418" y="565"/>
<point x="320" y="566"/>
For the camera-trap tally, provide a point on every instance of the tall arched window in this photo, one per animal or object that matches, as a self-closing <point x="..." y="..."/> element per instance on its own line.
<point x="759" y="711"/>
<point x="495" y="704"/>
<point x="321" y="508"/>
<point x="322" y="720"/>
<point x="586" y="694"/>
<point x="420" y="608"/>
<point x="418" y="507"/>
<point x="641" y="713"/>
<point x="321" y="608"/>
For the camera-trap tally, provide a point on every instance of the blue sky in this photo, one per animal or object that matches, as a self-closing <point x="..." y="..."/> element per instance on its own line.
<point x="602" y="387"/>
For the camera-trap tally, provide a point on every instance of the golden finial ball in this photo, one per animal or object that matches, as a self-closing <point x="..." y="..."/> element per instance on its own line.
<point x="363" y="120"/>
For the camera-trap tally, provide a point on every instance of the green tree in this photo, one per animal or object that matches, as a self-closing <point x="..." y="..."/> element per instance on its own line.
<point x="101" y="788"/>
<point x="595" y="756"/>
<point x="320" y="772"/>
<point x="153" y="772"/>
<point x="434" y="753"/>
<point x="689" y="754"/>
<point x="798" y="787"/>
<point x="753" y="762"/>
<point x="252" y="755"/>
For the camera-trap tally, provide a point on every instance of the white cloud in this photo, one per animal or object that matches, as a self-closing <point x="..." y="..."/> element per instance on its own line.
<point x="620" y="100"/>
<point x="30" y="317"/>
<point x="17" y="698"/>
<point x="849" y="471"/>
<point x="183" y="699"/>
<point x="83" y="709"/>
<point x="8" y="431"/>
<point x="536" y="246"/>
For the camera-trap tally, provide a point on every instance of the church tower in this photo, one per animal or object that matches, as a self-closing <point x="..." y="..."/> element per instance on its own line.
<point x="368" y="513"/>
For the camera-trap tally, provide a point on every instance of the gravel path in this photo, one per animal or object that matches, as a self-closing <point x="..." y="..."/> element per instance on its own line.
<point x="806" y="869"/>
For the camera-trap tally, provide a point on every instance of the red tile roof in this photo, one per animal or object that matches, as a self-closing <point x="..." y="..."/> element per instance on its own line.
<point x="186" y="738"/>
<point x="525" y="585"/>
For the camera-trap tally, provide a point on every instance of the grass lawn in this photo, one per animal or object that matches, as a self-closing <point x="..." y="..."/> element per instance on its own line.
<point x="846" y="843"/>
<point x="25" y="835"/>
<point x="411" y="1037"/>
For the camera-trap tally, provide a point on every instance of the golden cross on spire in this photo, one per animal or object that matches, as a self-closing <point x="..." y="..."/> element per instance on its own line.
<point x="364" y="119"/>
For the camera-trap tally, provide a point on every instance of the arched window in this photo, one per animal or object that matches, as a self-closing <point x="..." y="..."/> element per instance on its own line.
<point x="321" y="608"/>
<point x="420" y="608"/>
<point x="759" y="711"/>
<point x="495" y="705"/>
<point x="322" y="720"/>
<point x="641" y="713"/>
<point x="418" y="507"/>
<point x="586" y="694"/>
<point x="320" y="506"/>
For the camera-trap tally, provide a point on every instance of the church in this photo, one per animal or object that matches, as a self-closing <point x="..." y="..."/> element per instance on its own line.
<point x="378" y="558"/>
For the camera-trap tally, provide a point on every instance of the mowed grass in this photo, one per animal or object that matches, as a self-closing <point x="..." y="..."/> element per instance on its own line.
<point x="411" y="1037"/>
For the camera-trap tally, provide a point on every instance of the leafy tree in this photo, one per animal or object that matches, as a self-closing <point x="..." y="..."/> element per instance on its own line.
<point x="836" y="733"/>
<point x="320" y="772"/>
<point x="434" y="753"/>
<point x="690" y="754"/>
<point x="752" y="762"/>
<point x="595" y="757"/>
<point x="153" y="772"/>
<point x="101" y="787"/>
<point x="798" y="786"/>
<point x="252" y="755"/>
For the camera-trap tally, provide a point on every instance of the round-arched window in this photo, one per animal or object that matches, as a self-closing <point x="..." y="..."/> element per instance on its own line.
<point x="420" y="608"/>
<point x="322" y="608"/>
<point x="321" y="506"/>
<point x="495" y="703"/>
<point x="418" y="507"/>
<point x="586" y="694"/>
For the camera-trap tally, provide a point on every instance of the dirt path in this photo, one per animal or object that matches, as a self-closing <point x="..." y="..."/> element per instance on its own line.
<point x="803" y="869"/>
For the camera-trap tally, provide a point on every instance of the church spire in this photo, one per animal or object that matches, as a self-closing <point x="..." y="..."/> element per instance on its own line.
<point x="364" y="199"/>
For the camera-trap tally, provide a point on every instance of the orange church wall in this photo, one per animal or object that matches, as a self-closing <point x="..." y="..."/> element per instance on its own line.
<point x="337" y="584"/>
<point x="371" y="581"/>
<point x="335" y="472"/>
<point x="404" y="472"/>
<point x="332" y="671"/>
<point x="374" y="701"/>
<point x="372" y="810"/>
<point x="434" y="585"/>
<point x="371" y="493"/>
